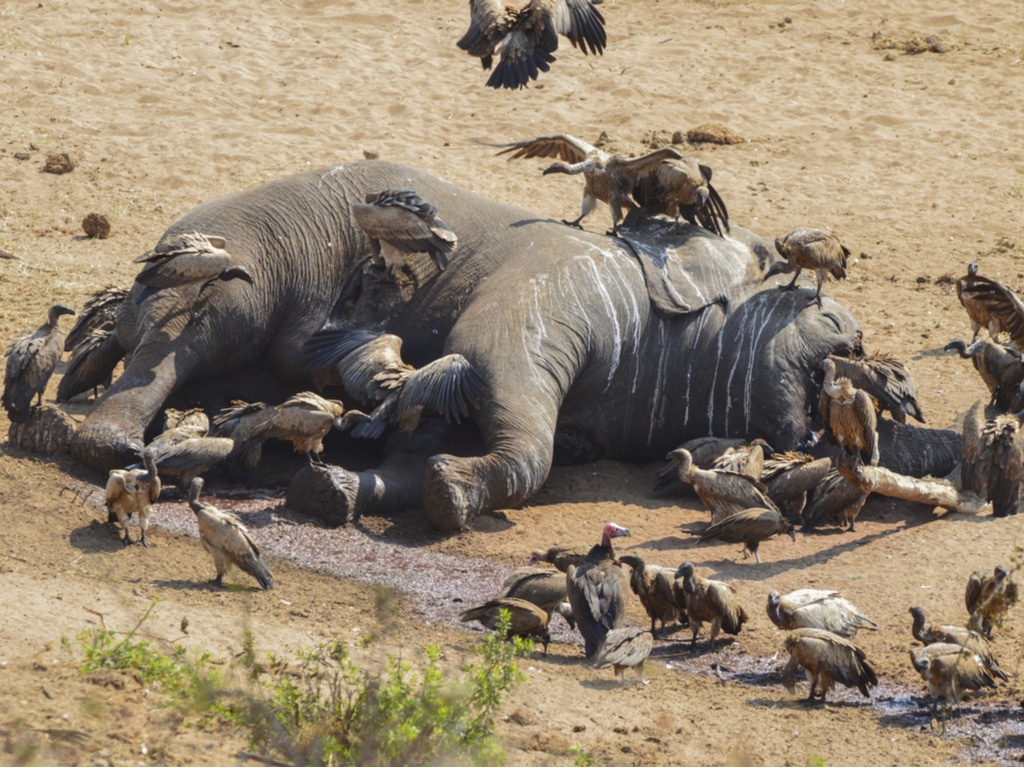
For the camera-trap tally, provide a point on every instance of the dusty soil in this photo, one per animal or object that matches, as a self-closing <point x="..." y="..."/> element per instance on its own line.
<point x="914" y="159"/>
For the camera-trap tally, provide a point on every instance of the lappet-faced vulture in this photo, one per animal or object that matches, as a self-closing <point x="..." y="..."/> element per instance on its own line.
<point x="805" y="248"/>
<point x="595" y="590"/>
<point x="654" y="585"/>
<point x="707" y="600"/>
<point x="31" y="360"/>
<point x="828" y="659"/>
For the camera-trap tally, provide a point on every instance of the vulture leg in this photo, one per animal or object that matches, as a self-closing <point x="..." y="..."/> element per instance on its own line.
<point x="640" y="670"/>
<point x="622" y="675"/>
<point x="791" y="285"/>
<point x="817" y="295"/>
<point x="589" y="203"/>
<point x="757" y="557"/>
<point x="126" y="539"/>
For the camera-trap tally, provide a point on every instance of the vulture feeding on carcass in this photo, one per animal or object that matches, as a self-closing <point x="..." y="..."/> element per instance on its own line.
<point x="402" y="222"/>
<point x="949" y="669"/>
<point x="849" y="415"/>
<point x="723" y="493"/>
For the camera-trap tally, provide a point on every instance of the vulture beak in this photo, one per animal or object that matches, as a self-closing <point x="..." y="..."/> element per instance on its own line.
<point x="236" y="273"/>
<point x="702" y="195"/>
<point x="63" y="310"/>
<point x="792" y="534"/>
<point x="777" y="268"/>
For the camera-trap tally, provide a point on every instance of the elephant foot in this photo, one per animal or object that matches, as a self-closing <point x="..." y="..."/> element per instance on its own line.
<point x="325" y="492"/>
<point x="48" y="431"/>
<point x="452" y="492"/>
<point x="103" y="446"/>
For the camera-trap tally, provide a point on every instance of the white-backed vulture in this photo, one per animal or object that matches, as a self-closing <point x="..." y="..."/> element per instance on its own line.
<point x="227" y="540"/>
<point x="543" y="587"/>
<point x="682" y="187"/>
<point x="988" y="597"/>
<point x="993" y="459"/>
<point x="31" y="360"/>
<point x="1000" y="366"/>
<point x="805" y="248"/>
<point x="789" y="476"/>
<point x="194" y="419"/>
<point x="849" y="415"/>
<point x="304" y="420"/>
<point x="561" y="556"/>
<point x="886" y="379"/>
<point x="131" y="491"/>
<point x="708" y="600"/>
<point x="238" y="422"/>
<point x="704" y="452"/>
<point x="183" y="451"/>
<point x="828" y="659"/>
<point x="525" y="618"/>
<point x="969" y="640"/>
<point x="991" y="305"/>
<point x="834" y="497"/>
<point x="100" y="311"/>
<point x="526" y="37"/>
<point x="403" y="223"/>
<point x="92" y="363"/>
<point x="749" y="527"/>
<point x="723" y="493"/>
<point x="595" y="590"/>
<point x="625" y="648"/>
<point x="654" y="585"/>
<point x="747" y="459"/>
<point x="817" y="609"/>
<point x="949" y="669"/>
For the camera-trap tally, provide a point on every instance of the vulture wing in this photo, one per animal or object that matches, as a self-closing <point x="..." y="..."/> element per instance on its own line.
<point x="598" y="603"/>
<point x="582" y="23"/>
<point x="973" y="476"/>
<point x="563" y="147"/>
<point x="1001" y="304"/>
<point x="448" y="385"/>
<point x="868" y="419"/>
<point x="227" y="533"/>
<point x="722" y="599"/>
<point x="485" y="31"/>
<point x="624" y="647"/>
<point x="92" y="363"/>
<point x="100" y="309"/>
<point x="541" y="586"/>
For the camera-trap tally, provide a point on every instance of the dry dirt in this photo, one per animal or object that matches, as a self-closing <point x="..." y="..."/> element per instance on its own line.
<point x="915" y="160"/>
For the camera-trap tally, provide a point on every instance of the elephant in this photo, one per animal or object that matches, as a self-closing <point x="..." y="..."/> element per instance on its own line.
<point x="591" y="346"/>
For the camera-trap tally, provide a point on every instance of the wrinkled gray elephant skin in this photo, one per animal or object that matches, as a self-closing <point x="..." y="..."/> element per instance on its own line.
<point x="607" y="348"/>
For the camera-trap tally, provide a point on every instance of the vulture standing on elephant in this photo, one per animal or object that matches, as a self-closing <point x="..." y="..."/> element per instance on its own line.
<point x="239" y="422"/>
<point x="723" y="493"/>
<point x="949" y="669"/>
<point x="828" y="659"/>
<point x="187" y="259"/>
<point x="526" y="37"/>
<point x="402" y="222"/>
<point x="988" y="597"/>
<point x="708" y="600"/>
<point x="132" y="491"/>
<point x="993" y="459"/>
<point x="227" y="540"/>
<point x="1000" y="366"/>
<point x="886" y="379"/>
<point x="100" y="311"/>
<point x="809" y="249"/>
<point x="543" y="587"/>
<point x="991" y="305"/>
<point x="834" y="497"/>
<point x="817" y="609"/>
<point x="970" y="641"/>
<point x="654" y="585"/>
<point x="848" y="415"/>
<point x="304" y="420"/>
<point x="595" y="590"/>
<point x="749" y="527"/>
<point x="525" y="619"/>
<point x="561" y="556"/>
<point x="608" y="178"/>
<point x="789" y="476"/>
<point x="92" y="363"/>
<point x="31" y="360"/>
<point x="682" y="187"/>
<point x="625" y="648"/>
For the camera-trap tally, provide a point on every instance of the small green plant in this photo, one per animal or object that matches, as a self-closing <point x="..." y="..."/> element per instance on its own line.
<point x="1017" y="190"/>
<point x="581" y="757"/>
<point x="816" y="762"/>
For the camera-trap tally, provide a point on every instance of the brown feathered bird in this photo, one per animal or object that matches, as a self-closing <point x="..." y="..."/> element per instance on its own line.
<point x="526" y="37"/>
<point x="1000" y="366"/>
<point x="849" y="415"/>
<point x="31" y="360"/>
<point x="595" y="590"/>
<point x="183" y="451"/>
<point x="625" y="648"/>
<point x="187" y="259"/>
<point x="950" y="669"/>
<point x="91" y="364"/>
<point x="989" y="597"/>
<point x="970" y="641"/>
<point x="525" y="618"/>
<point x="239" y="421"/>
<point x="654" y="585"/>
<point x="789" y="476"/>
<point x="402" y="222"/>
<point x="100" y="311"/>
<point x="707" y="600"/>
<point x="561" y="556"/>
<point x="749" y="527"/>
<point x="543" y="587"/>
<point x="828" y="659"/>
<point x="810" y="249"/>
<point x="993" y="459"/>
<point x="747" y="459"/>
<point x="682" y="187"/>
<point x="991" y="305"/>
<point x="304" y="420"/>
<point x="227" y="540"/>
<point x="834" y="497"/>
<point x="817" y="609"/>
<point x="723" y="493"/>
<point x="886" y="379"/>
<point x="608" y="178"/>
<point x="132" y="491"/>
<point x="704" y="452"/>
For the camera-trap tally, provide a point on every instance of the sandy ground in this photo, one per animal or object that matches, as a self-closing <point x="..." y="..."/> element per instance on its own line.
<point x="914" y="159"/>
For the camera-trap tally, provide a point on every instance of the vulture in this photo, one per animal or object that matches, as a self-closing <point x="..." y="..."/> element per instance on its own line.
<point x="561" y="556"/>
<point x="988" y="597"/>
<point x="828" y="659"/>
<point x="238" y="421"/>
<point x="31" y="360"/>
<point x="625" y="648"/>
<point x="789" y="476"/>
<point x="304" y="419"/>
<point x="749" y="527"/>
<point x="227" y="540"/>
<point x="402" y="222"/>
<point x="817" y="609"/>
<point x="886" y="379"/>
<point x="525" y="618"/>
<point x="747" y="459"/>
<point x="194" y="419"/>
<point x="810" y="249"/>
<point x="543" y="587"/>
<point x="993" y="459"/>
<point x="723" y="493"/>
<point x="708" y="600"/>
<point x="606" y="177"/>
<point x="834" y="496"/>
<point x="92" y="363"/>
<point x="595" y="590"/>
<point x="100" y="311"/>
<point x="704" y="452"/>
<point x="1000" y="366"/>
<point x="682" y="187"/>
<point x="183" y="451"/>
<point x="654" y="585"/>
<point x="131" y="491"/>
<point x="950" y="669"/>
<point x="526" y="37"/>
<point x="991" y="305"/>
<point x="848" y="415"/>
<point x="970" y="641"/>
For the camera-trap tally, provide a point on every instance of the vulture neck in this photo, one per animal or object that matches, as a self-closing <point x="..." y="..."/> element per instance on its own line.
<point x="918" y="629"/>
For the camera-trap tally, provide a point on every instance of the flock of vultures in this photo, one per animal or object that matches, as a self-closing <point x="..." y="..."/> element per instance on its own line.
<point x="752" y="492"/>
